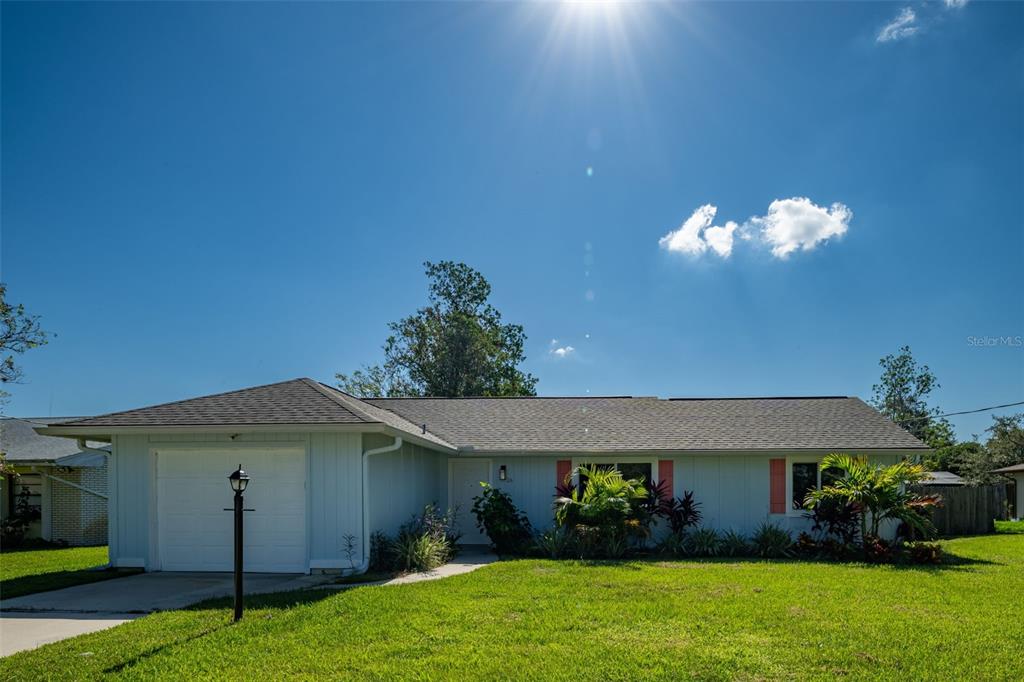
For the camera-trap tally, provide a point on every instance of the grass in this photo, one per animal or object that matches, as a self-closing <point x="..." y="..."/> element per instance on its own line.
<point x="39" y="570"/>
<point x="1010" y="526"/>
<point x="535" y="619"/>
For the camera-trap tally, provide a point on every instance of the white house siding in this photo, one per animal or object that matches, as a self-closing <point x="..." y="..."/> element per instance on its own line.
<point x="530" y="484"/>
<point x="732" y="489"/>
<point x="403" y="482"/>
<point x="333" y="485"/>
<point x="335" y="503"/>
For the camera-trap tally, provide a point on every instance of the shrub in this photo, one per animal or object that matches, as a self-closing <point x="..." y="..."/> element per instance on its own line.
<point x="381" y="557"/>
<point x="424" y="542"/>
<point x="771" y="541"/>
<point x="837" y="517"/>
<point x="734" y="544"/>
<point x="924" y="552"/>
<point x="877" y="493"/>
<point x="555" y="543"/>
<point x="506" y="526"/>
<point x="681" y="512"/>
<point x="705" y="542"/>
<point x="807" y="546"/>
<point x="877" y="550"/>
<point x="674" y="545"/>
<point x="605" y="514"/>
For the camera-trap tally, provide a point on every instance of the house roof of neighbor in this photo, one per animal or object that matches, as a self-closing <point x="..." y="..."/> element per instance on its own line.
<point x="20" y="443"/>
<point x="583" y="424"/>
<point x="1016" y="468"/>
<point x="943" y="478"/>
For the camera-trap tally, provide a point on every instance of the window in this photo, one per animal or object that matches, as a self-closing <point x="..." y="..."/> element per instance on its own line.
<point x="805" y="479"/>
<point x="640" y="471"/>
<point x="808" y="476"/>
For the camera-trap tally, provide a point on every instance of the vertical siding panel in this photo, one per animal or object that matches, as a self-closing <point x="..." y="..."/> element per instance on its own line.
<point x="777" y="473"/>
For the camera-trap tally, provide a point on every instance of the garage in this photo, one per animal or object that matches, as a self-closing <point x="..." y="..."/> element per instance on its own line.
<point x="196" y="534"/>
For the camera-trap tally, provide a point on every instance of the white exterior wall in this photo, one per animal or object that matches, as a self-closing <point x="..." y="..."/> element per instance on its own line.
<point x="733" y="489"/>
<point x="403" y="482"/>
<point x="333" y="487"/>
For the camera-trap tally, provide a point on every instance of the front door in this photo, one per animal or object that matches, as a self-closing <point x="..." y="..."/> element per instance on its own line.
<point x="464" y="481"/>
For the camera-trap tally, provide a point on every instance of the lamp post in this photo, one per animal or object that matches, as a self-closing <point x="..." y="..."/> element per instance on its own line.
<point x="239" y="480"/>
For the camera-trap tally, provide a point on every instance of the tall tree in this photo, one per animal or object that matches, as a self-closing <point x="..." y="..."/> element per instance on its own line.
<point x="902" y="396"/>
<point x="457" y="345"/>
<point x="19" y="332"/>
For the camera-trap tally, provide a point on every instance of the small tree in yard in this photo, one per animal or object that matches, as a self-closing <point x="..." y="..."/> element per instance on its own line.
<point x="877" y="492"/>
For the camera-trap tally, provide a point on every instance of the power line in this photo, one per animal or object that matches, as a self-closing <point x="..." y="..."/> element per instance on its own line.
<point x="953" y="414"/>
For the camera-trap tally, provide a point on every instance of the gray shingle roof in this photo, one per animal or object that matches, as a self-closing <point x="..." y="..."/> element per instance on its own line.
<point x="298" y="401"/>
<point x="544" y="424"/>
<point x="613" y="424"/>
<point x="20" y="442"/>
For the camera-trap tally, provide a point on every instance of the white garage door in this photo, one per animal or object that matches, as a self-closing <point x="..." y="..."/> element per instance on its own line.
<point x="195" y="532"/>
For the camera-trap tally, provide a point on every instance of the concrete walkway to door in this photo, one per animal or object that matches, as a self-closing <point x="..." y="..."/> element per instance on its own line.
<point x="36" y="619"/>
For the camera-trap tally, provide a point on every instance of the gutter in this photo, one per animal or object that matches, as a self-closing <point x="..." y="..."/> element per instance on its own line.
<point x="365" y="563"/>
<point x="96" y="451"/>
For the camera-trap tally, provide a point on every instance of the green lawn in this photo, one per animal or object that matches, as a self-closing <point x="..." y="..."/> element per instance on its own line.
<point x="569" y="620"/>
<point x="38" y="570"/>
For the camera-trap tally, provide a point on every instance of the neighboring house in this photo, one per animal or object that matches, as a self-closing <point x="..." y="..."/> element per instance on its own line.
<point x="325" y="465"/>
<point x="64" y="484"/>
<point x="943" y="478"/>
<point x="1015" y="472"/>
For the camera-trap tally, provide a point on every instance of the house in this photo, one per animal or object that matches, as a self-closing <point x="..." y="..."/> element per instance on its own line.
<point x="1016" y="473"/>
<point x="943" y="478"/>
<point x="64" y="485"/>
<point x="326" y="465"/>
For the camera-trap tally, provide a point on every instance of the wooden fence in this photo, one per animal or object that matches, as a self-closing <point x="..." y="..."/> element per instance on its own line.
<point x="967" y="510"/>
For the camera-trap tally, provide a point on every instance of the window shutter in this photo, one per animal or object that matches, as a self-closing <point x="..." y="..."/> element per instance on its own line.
<point x="665" y="472"/>
<point x="777" y="476"/>
<point x="563" y="468"/>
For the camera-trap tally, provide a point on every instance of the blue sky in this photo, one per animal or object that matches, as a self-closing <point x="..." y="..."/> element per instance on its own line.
<point x="203" y="197"/>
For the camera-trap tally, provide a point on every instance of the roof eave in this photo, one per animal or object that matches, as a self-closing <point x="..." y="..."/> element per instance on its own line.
<point x="105" y="432"/>
<point x="470" y="451"/>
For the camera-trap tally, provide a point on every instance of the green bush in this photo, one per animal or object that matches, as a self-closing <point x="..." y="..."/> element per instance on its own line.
<point x="606" y="515"/>
<point x="554" y="543"/>
<point x="423" y="543"/>
<point x="771" y="541"/>
<point x="734" y="544"/>
<point x="674" y="544"/>
<point x="705" y="542"/>
<point x="506" y="526"/>
<point x="924" y="552"/>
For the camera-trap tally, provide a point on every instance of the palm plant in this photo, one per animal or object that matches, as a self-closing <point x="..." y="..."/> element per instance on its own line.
<point x="604" y="512"/>
<point x="877" y="492"/>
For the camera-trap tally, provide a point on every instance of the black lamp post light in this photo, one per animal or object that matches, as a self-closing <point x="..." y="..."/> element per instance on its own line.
<point x="239" y="480"/>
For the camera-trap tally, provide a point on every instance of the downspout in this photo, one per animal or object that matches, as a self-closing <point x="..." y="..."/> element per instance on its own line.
<point x="365" y="563"/>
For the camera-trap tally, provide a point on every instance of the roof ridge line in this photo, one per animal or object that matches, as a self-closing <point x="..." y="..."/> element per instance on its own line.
<point x="183" y="400"/>
<point x="323" y="391"/>
<point x="412" y="426"/>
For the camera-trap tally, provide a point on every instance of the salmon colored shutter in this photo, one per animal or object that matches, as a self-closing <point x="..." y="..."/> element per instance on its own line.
<point x="563" y="468"/>
<point x="665" y="471"/>
<point x="777" y="475"/>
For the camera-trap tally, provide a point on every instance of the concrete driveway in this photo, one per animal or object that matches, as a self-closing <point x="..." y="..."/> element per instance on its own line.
<point x="36" y="619"/>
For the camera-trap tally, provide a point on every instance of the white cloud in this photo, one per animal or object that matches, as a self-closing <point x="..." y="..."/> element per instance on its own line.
<point x="687" y="239"/>
<point x="720" y="238"/>
<point x="563" y="352"/>
<point x="902" y="26"/>
<point x="954" y="4"/>
<point x="697" y="234"/>
<point x="799" y="223"/>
